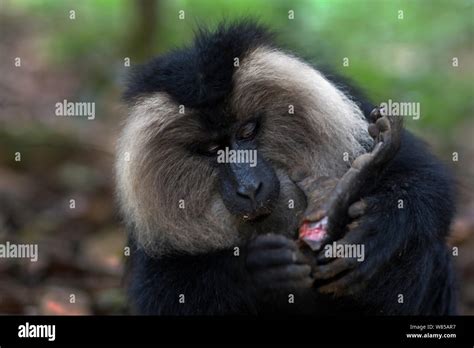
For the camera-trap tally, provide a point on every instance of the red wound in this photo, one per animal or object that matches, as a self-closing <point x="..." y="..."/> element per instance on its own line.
<point x="313" y="233"/>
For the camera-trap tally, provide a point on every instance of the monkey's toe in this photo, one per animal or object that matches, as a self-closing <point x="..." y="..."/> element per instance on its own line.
<point x="357" y="209"/>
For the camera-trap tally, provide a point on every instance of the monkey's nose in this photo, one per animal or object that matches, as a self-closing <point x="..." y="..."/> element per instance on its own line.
<point x="250" y="191"/>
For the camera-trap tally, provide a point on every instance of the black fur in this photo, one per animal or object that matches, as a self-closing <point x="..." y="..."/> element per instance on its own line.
<point x="218" y="283"/>
<point x="199" y="76"/>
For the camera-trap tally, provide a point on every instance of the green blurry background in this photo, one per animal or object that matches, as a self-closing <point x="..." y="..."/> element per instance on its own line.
<point x="82" y="59"/>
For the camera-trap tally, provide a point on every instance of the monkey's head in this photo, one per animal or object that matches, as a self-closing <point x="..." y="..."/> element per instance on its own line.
<point x="214" y="131"/>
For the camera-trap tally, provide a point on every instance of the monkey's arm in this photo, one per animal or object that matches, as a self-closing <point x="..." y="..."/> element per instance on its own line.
<point x="208" y="284"/>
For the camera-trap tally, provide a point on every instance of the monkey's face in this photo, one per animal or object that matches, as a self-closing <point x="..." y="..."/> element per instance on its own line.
<point x="253" y="186"/>
<point x="248" y="183"/>
<point x="208" y="177"/>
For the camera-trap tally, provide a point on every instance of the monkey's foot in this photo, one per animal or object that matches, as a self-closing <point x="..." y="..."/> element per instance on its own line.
<point x="327" y="221"/>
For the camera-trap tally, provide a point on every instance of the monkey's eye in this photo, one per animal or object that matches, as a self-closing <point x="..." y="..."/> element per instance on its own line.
<point x="247" y="131"/>
<point x="211" y="148"/>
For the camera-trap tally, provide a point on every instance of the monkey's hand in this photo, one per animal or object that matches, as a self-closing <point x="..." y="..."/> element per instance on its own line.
<point x="346" y="215"/>
<point x="326" y="216"/>
<point x="275" y="262"/>
<point x="345" y="266"/>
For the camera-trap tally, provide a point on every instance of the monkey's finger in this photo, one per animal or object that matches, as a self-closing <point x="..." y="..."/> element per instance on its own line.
<point x="312" y="214"/>
<point x="394" y="134"/>
<point x="373" y="130"/>
<point x="340" y="285"/>
<point x="390" y="128"/>
<point x="351" y="282"/>
<point x="274" y="257"/>
<point x="334" y="268"/>
<point x="361" y="161"/>
<point x="355" y="235"/>
<point x="383" y="124"/>
<point x="357" y="209"/>
<point x="300" y="257"/>
<point x="322" y="259"/>
<point x="353" y="225"/>
<point x="272" y="240"/>
<point x="385" y="150"/>
<point x="375" y="114"/>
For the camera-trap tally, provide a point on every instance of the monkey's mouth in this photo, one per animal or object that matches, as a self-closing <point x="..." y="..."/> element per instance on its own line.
<point x="256" y="216"/>
<point x="255" y="219"/>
